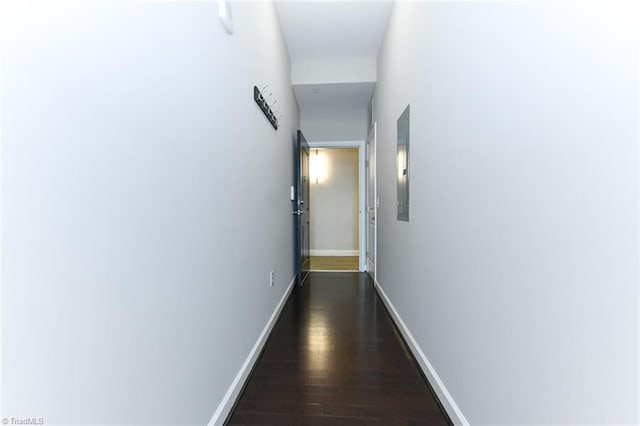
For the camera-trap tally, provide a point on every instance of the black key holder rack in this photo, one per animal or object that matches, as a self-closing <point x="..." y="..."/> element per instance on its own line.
<point x="266" y="107"/>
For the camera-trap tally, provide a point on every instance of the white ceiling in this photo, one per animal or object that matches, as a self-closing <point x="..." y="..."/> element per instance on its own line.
<point x="349" y="96"/>
<point x="325" y="28"/>
<point x="333" y="30"/>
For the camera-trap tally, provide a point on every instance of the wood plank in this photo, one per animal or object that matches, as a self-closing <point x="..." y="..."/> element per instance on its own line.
<point x="334" y="263"/>
<point x="334" y="357"/>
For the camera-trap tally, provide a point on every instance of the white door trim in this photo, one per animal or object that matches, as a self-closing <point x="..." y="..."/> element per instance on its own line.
<point x="372" y="136"/>
<point x="362" y="188"/>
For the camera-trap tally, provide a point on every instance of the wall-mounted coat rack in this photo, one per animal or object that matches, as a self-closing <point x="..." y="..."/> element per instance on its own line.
<point x="263" y="103"/>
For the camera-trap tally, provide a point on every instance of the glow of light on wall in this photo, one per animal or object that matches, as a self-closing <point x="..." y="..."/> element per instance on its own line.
<point x="402" y="163"/>
<point x="318" y="167"/>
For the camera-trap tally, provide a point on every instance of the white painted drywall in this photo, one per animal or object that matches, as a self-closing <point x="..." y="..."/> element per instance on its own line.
<point x="334" y="204"/>
<point x="145" y="199"/>
<point x="333" y="97"/>
<point x="328" y="70"/>
<point x="334" y="125"/>
<point x="334" y="29"/>
<point x="518" y="273"/>
<point x="333" y="41"/>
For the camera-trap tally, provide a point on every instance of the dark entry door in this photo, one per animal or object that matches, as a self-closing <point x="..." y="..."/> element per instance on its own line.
<point x="301" y="209"/>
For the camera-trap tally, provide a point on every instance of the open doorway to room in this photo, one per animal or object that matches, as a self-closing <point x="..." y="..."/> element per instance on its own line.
<point x="336" y="206"/>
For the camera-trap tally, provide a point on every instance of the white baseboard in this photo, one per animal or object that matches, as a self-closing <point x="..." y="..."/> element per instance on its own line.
<point x="445" y="397"/>
<point x="225" y="406"/>
<point x="334" y="252"/>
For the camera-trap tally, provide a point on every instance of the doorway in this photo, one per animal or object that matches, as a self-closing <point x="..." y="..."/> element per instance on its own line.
<point x="300" y="202"/>
<point x="372" y="201"/>
<point x="337" y="202"/>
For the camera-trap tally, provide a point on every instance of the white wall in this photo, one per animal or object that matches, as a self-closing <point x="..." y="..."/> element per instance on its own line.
<point x="333" y="70"/>
<point x="334" y="125"/>
<point x="334" y="204"/>
<point x="135" y="163"/>
<point x="518" y="273"/>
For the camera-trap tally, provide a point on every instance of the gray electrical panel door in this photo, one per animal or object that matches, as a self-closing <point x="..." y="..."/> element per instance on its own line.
<point x="402" y="165"/>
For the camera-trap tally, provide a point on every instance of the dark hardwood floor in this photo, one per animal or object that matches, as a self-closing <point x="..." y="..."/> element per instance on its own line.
<point x="335" y="358"/>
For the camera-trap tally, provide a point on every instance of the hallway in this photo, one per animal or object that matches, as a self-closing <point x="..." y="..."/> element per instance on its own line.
<point x="334" y="357"/>
<point x="152" y="226"/>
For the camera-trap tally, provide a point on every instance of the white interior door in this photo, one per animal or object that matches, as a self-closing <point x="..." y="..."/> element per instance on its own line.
<point x="372" y="201"/>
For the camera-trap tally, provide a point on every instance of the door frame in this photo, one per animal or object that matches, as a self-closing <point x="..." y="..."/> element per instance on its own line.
<point x="297" y="204"/>
<point x="373" y="131"/>
<point x="362" y="192"/>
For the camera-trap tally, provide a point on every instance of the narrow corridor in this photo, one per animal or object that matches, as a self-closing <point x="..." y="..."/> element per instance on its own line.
<point x="335" y="357"/>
